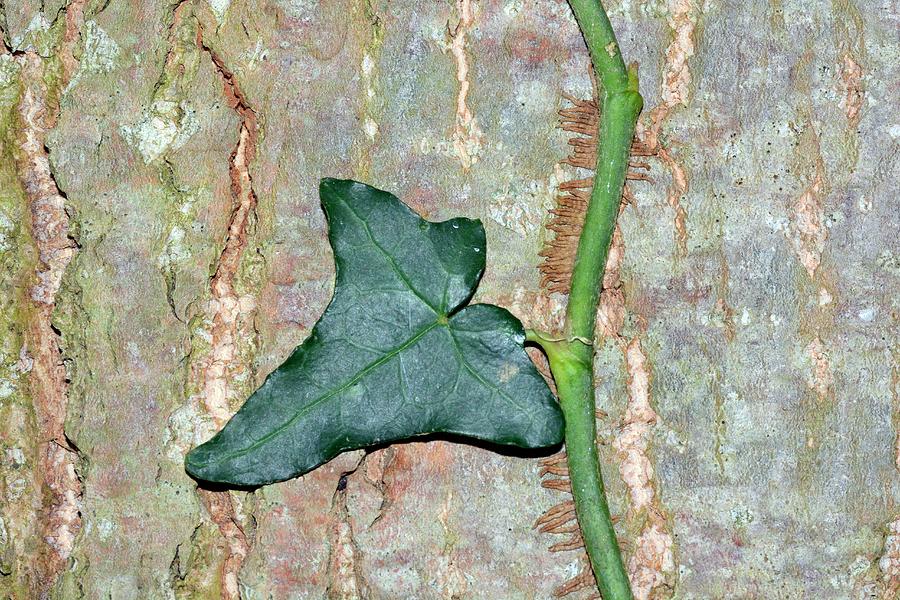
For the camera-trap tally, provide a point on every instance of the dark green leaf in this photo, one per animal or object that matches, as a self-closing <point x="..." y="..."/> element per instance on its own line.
<point x="395" y="355"/>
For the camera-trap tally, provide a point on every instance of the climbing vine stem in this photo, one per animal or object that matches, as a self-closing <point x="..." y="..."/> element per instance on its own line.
<point x="571" y="355"/>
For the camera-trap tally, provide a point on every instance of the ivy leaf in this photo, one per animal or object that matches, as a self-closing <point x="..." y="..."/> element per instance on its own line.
<point x="396" y="354"/>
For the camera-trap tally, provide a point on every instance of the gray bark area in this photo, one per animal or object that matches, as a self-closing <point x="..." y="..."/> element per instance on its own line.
<point x="748" y="348"/>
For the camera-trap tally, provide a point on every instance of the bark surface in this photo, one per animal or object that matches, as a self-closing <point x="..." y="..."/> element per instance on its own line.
<point x="162" y="249"/>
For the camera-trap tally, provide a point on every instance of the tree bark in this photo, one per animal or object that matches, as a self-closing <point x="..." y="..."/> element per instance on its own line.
<point x="163" y="249"/>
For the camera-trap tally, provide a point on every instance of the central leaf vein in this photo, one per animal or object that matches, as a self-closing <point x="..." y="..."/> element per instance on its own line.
<point x="334" y="392"/>
<point x="394" y="266"/>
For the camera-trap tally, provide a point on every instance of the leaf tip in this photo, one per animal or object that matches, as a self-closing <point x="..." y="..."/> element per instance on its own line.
<point x="207" y="463"/>
<point x="328" y="187"/>
<point x="327" y="183"/>
<point x="197" y="462"/>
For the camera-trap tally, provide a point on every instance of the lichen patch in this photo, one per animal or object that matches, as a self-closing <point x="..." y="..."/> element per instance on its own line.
<point x="166" y="125"/>
<point x="219" y="9"/>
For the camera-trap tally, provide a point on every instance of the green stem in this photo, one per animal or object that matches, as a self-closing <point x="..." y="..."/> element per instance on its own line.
<point x="621" y="104"/>
<point x="574" y="382"/>
<point x="571" y="360"/>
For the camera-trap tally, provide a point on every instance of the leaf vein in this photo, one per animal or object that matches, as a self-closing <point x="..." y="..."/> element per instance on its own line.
<point x="355" y="379"/>
<point x="394" y="266"/>
<point x="461" y="357"/>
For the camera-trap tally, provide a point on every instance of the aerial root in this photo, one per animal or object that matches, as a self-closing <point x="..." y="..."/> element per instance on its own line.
<point x="567" y="222"/>
<point x="584" y="579"/>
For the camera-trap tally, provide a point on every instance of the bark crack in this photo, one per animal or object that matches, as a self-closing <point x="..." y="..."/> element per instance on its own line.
<point x="58" y="518"/>
<point x="467" y="136"/>
<point x="345" y="580"/>
<point x="220" y="506"/>
<point x="59" y="513"/>
<point x="676" y="88"/>
<point x="231" y="315"/>
<point x="230" y="311"/>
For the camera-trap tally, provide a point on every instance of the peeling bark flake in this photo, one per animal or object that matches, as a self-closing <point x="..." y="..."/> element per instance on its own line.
<point x="851" y="79"/>
<point x="821" y="380"/>
<point x="676" y="88"/>
<point x="634" y="436"/>
<point x="807" y="230"/>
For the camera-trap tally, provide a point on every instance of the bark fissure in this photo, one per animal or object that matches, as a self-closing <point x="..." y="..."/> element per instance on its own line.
<point x="230" y="314"/>
<point x="222" y="512"/>
<point x="59" y="512"/>
<point x="345" y="579"/>
<point x="467" y="135"/>
<point x="228" y="309"/>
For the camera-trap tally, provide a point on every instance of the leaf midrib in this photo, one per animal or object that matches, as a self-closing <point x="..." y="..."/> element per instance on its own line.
<point x="323" y="398"/>
<point x="390" y="258"/>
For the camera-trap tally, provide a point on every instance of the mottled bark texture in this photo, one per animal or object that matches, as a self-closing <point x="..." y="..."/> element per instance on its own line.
<point x="163" y="249"/>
